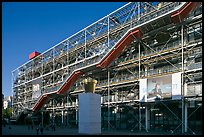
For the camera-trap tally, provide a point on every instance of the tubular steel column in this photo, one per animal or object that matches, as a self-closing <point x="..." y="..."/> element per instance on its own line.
<point x="147" y="117"/>
<point x="139" y="91"/>
<point x="67" y="110"/>
<point x="42" y="118"/>
<point x="42" y="73"/>
<point x="76" y="111"/>
<point x="85" y="44"/>
<point x="53" y="121"/>
<point x="53" y="68"/>
<point x="185" y="116"/>
<point x="67" y="68"/>
<point x="139" y="60"/>
<point x="140" y="124"/>
<point x="62" y="117"/>
<point x="138" y="10"/>
<point x="108" y="100"/>
<point x="108" y="77"/>
<point x="108" y="31"/>
<point x="184" y="108"/>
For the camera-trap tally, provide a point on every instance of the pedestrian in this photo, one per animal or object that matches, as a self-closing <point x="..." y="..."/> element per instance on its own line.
<point x="9" y="123"/>
<point x="10" y="127"/>
<point x="54" y="127"/>
<point x="28" y="127"/>
<point x="41" y="129"/>
<point x="32" y="126"/>
<point x="37" y="129"/>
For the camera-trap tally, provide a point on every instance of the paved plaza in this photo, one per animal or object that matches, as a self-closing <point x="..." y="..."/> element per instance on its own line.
<point x="24" y="130"/>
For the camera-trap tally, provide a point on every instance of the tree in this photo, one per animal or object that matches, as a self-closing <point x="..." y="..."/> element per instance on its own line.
<point x="7" y="113"/>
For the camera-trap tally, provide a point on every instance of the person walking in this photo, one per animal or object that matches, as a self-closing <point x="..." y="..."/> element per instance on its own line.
<point x="53" y="126"/>
<point x="41" y="129"/>
<point x="28" y="127"/>
<point x="37" y="130"/>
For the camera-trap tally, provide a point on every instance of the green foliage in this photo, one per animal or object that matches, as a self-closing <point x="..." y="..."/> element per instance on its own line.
<point x="7" y="113"/>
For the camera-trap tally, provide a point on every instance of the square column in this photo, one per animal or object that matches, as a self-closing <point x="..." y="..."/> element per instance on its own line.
<point x="89" y="113"/>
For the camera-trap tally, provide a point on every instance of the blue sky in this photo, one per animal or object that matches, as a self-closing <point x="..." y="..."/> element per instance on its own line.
<point x="38" y="26"/>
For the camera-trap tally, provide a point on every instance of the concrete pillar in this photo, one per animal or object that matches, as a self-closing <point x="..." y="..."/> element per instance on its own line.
<point x="89" y="113"/>
<point x="89" y="109"/>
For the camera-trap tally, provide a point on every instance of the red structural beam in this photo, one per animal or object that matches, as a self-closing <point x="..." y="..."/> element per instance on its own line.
<point x="70" y="82"/>
<point x="179" y="15"/>
<point x="41" y="102"/>
<point x="130" y="36"/>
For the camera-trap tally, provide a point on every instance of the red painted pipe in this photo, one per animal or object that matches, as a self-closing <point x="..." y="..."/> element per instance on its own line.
<point x="179" y="15"/>
<point x="136" y="33"/>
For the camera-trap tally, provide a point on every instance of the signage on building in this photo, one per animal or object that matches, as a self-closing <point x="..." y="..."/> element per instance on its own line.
<point x="164" y="87"/>
<point x="36" y="86"/>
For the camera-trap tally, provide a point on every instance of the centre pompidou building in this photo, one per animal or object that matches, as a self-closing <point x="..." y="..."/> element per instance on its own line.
<point x="147" y="59"/>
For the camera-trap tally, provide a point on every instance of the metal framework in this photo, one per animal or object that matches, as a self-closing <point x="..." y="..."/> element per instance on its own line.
<point x="149" y="39"/>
